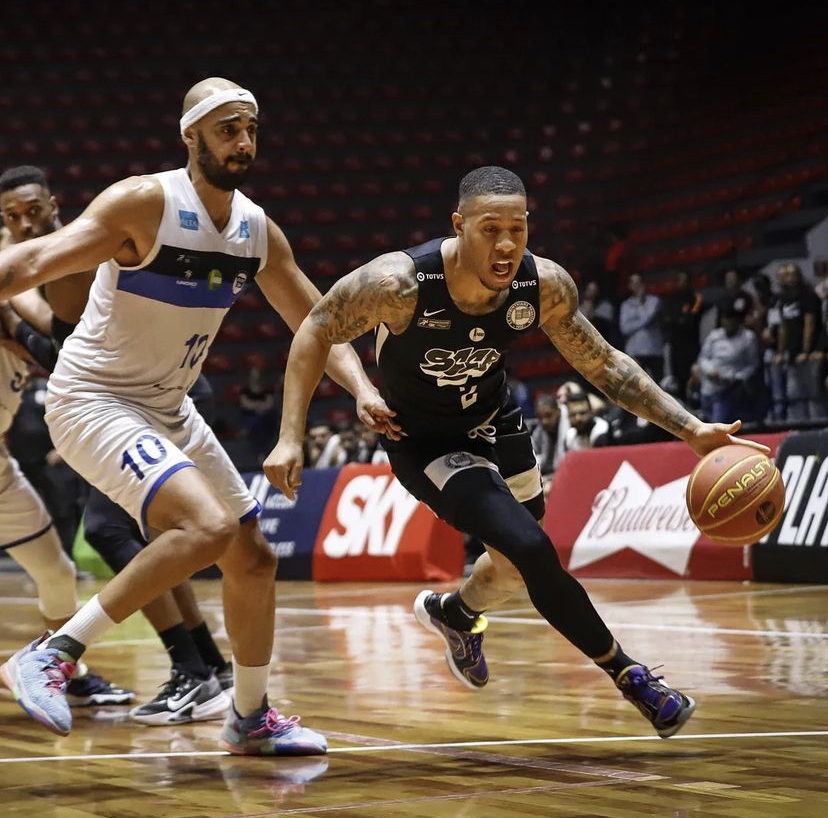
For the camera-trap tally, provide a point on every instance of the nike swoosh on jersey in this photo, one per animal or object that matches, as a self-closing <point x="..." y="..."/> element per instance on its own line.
<point x="429" y="313"/>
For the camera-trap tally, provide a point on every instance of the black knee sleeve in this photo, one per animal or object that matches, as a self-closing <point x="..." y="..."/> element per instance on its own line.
<point x="111" y="531"/>
<point x="484" y="507"/>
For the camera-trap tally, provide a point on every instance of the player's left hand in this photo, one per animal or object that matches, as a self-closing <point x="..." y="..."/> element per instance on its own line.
<point x="373" y="411"/>
<point x="283" y="467"/>
<point x="710" y="436"/>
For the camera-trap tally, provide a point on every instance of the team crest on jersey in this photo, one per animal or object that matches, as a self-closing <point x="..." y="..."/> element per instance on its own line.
<point x="520" y="315"/>
<point x="214" y="279"/>
<point x="239" y="281"/>
<point x="244" y="229"/>
<point x="188" y="220"/>
<point x="458" y="460"/>
<point x="477" y="334"/>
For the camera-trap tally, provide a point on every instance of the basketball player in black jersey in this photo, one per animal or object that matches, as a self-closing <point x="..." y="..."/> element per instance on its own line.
<point x="444" y="313"/>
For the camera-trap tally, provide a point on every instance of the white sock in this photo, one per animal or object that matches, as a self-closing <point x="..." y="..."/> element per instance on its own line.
<point x="86" y="626"/>
<point x="249" y="687"/>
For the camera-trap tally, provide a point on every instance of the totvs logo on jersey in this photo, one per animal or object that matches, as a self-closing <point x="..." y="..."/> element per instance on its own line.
<point x="372" y="529"/>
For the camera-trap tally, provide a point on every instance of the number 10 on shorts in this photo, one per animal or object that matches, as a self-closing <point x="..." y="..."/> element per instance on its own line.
<point x="148" y="449"/>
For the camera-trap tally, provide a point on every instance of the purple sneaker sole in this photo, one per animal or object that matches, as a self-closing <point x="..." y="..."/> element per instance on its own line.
<point x="464" y="651"/>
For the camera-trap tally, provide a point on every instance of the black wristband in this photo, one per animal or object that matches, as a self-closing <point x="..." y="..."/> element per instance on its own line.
<point x="38" y="345"/>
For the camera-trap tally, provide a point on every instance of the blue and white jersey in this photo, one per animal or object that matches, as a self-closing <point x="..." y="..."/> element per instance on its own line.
<point x="14" y="373"/>
<point x="146" y="330"/>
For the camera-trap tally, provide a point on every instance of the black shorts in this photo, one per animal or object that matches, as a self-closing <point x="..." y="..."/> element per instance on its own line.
<point x="425" y="465"/>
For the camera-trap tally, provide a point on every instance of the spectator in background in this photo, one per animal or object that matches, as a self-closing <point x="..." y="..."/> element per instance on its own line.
<point x="640" y="325"/>
<point x="259" y="414"/>
<point x="586" y="430"/>
<point x="820" y="353"/>
<point x="600" y="312"/>
<point x="318" y="441"/>
<point x="340" y="446"/>
<point x="348" y="445"/>
<point x="762" y="295"/>
<point x="727" y="370"/>
<point x="520" y="393"/>
<point x="547" y="437"/>
<point x="800" y="312"/>
<point x="369" y="449"/>
<point x="567" y="388"/>
<point x="681" y="322"/>
<point x="619" y="259"/>
<point x="733" y="295"/>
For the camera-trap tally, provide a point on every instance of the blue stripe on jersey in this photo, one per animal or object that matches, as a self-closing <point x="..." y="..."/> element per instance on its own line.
<point x="180" y="292"/>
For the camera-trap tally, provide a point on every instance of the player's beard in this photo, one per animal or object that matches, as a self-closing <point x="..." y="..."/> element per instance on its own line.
<point x="216" y="173"/>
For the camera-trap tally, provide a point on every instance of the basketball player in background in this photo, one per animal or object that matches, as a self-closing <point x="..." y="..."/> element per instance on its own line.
<point x="444" y="314"/>
<point x="175" y="250"/>
<point x="28" y="535"/>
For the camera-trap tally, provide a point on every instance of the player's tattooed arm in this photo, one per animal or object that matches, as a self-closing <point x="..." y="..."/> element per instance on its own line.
<point x="610" y="370"/>
<point x="384" y="291"/>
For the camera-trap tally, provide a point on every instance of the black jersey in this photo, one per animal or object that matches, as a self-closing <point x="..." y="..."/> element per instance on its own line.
<point x="445" y="374"/>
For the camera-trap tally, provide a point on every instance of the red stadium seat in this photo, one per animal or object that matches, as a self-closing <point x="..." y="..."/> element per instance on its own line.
<point x="231" y="331"/>
<point x="255" y="360"/>
<point x="268" y="330"/>
<point x="217" y="363"/>
<point x="249" y="302"/>
<point x="327" y="389"/>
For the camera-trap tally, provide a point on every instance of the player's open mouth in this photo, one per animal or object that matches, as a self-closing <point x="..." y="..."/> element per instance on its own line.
<point x="502" y="268"/>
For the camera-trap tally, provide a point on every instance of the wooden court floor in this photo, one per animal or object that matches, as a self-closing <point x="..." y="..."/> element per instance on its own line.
<point x="549" y="735"/>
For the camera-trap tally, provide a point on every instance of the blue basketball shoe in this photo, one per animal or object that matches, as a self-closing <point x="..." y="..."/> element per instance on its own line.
<point x="666" y="709"/>
<point x="268" y="733"/>
<point x="464" y="649"/>
<point x="38" y="680"/>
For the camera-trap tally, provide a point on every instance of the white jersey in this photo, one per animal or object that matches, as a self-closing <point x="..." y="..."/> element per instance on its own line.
<point x="14" y="372"/>
<point x="146" y="330"/>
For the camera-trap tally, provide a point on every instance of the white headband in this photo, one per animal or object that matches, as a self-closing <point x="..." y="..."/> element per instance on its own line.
<point x="213" y="101"/>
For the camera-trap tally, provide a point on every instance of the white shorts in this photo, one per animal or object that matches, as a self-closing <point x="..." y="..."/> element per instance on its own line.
<point x="23" y="517"/>
<point x="128" y="453"/>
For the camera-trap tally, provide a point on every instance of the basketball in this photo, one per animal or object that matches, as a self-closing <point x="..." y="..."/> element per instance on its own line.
<point x="735" y="495"/>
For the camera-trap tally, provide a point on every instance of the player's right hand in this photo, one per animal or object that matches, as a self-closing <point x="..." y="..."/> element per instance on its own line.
<point x="283" y="467"/>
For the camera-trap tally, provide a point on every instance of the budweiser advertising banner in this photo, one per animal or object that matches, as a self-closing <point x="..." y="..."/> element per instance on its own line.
<point x="373" y="529"/>
<point x="620" y="511"/>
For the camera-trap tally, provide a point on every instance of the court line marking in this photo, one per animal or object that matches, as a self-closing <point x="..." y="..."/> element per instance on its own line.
<point x="385" y="747"/>
<point x="515" y="620"/>
<point x="690" y="597"/>
<point x="641" y="626"/>
<point x="350" y="593"/>
<point x="584" y="768"/>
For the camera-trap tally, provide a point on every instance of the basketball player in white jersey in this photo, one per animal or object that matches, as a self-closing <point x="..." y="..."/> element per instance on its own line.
<point x="199" y="672"/>
<point x="175" y="250"/>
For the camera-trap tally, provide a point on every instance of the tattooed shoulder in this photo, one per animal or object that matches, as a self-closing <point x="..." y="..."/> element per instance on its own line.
<point x="558" y="293"/>
<point x="382" y="291"/>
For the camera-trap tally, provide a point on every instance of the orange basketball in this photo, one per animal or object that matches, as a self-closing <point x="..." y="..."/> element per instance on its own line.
<point x="735" y="495"/>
